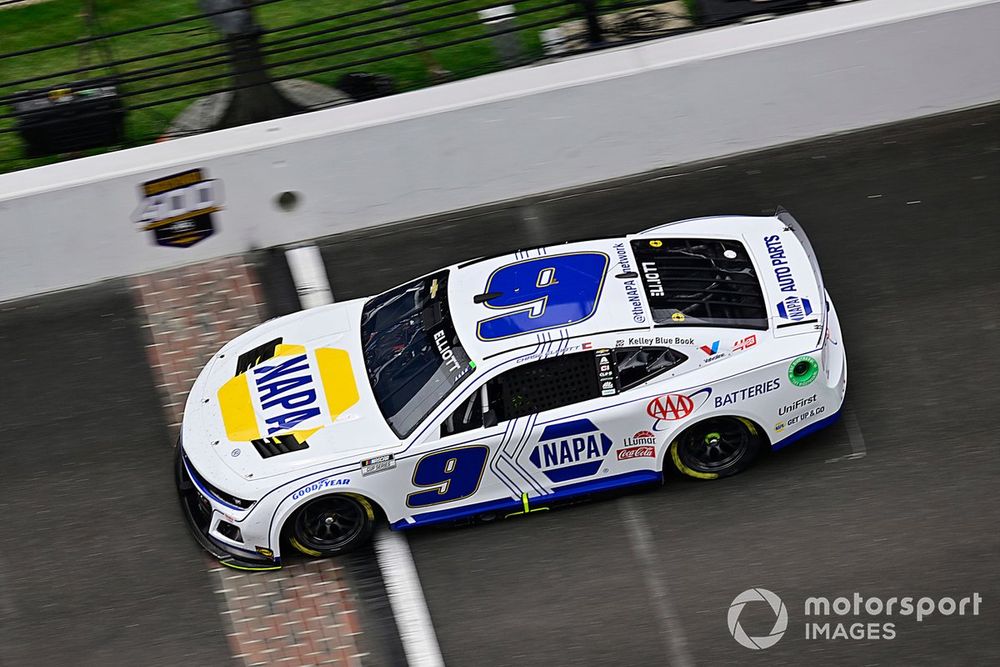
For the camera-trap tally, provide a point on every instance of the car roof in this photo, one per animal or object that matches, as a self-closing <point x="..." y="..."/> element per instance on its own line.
<point x="584" y="259"/>
<point x="607" y="266"/>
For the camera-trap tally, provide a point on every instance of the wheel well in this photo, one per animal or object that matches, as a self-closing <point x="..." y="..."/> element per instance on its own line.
<point x="760" y="431"/>
<point x="380" y="515"/>
<point x="754" y="426"/>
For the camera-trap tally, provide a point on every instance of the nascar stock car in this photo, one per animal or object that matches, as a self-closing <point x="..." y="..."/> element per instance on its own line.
<point x="506" y="384"/>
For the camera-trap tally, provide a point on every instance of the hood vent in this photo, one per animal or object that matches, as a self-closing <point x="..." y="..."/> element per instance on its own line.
<point x="282" y="444"/>
<point x="256" y="356"/>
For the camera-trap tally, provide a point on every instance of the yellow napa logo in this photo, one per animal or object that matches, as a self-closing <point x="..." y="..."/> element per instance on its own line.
<point x="296" y="392"/>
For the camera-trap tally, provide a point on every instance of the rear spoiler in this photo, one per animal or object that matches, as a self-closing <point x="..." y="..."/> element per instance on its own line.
<point x="793" y="224"/>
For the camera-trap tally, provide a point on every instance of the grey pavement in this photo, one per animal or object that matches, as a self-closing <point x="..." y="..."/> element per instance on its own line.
<point x="97" y="569"/>
<point x="905" y="222"/>
<point x="96" y="562"/>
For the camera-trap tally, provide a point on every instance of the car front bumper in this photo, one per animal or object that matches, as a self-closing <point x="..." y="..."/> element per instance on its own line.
<point x="199" y="513"/>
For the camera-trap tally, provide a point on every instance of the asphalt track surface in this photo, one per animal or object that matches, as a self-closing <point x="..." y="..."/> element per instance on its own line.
<point x="95" y="567"/>
<point x="95" y="559"/>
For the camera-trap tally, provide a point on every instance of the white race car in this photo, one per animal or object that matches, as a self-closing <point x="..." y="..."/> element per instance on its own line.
<point x="507" y="384"/>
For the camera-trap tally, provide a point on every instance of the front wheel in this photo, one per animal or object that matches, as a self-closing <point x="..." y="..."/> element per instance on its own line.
<point x="716" y="447"/>
<point x="332" y="525"/>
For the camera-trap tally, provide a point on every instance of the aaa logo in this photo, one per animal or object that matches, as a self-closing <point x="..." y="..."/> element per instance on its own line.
<point x="670" y="407"/>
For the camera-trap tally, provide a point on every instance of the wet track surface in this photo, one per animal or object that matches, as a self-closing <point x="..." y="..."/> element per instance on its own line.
<point x="95" y="560"/>
<point x="96" y="567"/>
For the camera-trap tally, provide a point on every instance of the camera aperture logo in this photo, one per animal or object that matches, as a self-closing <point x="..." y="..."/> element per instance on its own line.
<point x="858" y="617"/>
<point x="780" y="618"/>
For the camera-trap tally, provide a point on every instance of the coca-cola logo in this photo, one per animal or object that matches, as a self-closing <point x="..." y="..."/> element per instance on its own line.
<point x="636" y="452"/>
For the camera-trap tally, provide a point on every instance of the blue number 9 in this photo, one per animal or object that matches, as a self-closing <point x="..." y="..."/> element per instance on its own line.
<point x="453" y="474"/>
<point x="551" y="292"/>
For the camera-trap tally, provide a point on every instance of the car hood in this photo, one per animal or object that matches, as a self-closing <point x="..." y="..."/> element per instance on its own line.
<point x="288" y="395"/>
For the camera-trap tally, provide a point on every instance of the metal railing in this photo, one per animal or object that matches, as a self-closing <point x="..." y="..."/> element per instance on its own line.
<point x="166" y="65"/>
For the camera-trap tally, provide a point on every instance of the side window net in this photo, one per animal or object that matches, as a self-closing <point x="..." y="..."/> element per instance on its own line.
<point x="545" y="385"/>
<point x="639" y="364"/>
<point x="535" y="387"/>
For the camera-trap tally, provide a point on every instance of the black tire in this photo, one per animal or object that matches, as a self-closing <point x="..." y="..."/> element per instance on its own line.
<point x="332" y="525"/>
<point x="716" y="447"/>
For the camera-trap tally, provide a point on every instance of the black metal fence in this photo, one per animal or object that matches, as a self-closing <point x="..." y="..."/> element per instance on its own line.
<point x="245" y="60"/>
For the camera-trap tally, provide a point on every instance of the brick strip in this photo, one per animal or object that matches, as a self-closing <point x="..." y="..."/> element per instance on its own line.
<point x="190" y="313"/>
<point x="303" y="614"/>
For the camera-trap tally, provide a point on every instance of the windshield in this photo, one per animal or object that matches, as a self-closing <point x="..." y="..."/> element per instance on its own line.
<point x="412" y="353"/>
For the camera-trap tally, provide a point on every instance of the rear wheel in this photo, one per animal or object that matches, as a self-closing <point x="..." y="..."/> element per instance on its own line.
<point x="332" y="525"/>
<point x="716" y="447"/>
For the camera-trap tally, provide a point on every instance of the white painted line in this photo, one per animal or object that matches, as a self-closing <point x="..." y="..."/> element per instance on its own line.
<point x="402" y="583"/>
<point x="642" y="544"/>
<point x="857" y="440"/>
<point x="407" y="599"/>
<point x="309" y="276"/>
<point x="660" y="178"/>
<point x="858" y="448"/>
<point x="535" y="222"/>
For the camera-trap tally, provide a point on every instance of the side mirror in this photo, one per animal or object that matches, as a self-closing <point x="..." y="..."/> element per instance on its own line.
<point x="489" y="418"/>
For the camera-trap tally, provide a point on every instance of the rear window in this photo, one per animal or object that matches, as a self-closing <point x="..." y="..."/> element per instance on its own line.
<point x="700" y="282"/>
<point x="637" y="365"/>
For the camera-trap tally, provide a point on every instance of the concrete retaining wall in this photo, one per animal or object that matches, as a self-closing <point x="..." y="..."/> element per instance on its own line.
<point x="510" y="134"/>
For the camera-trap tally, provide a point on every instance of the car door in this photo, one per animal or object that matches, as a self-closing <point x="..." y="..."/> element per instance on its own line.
<point x="584" y="431"/>
<point x="486" y="451"/>
<point x="539" y="428"/>
<point x="454" y="474"/>
<point x="550" y="435"/>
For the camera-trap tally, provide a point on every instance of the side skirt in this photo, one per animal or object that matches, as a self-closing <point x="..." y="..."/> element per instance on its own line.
<point x="808" y="430"/>
<point x="561" y="494"/>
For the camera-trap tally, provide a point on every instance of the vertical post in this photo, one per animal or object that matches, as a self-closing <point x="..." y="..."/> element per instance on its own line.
<point x="255" y="98"/>
<point x="498" y="20"/>
<point x="595" y="34"/>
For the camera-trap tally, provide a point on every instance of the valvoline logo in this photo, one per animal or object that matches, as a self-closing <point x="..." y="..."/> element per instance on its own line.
<point x="570" y="450"/>
<point x="794" y="308"/>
